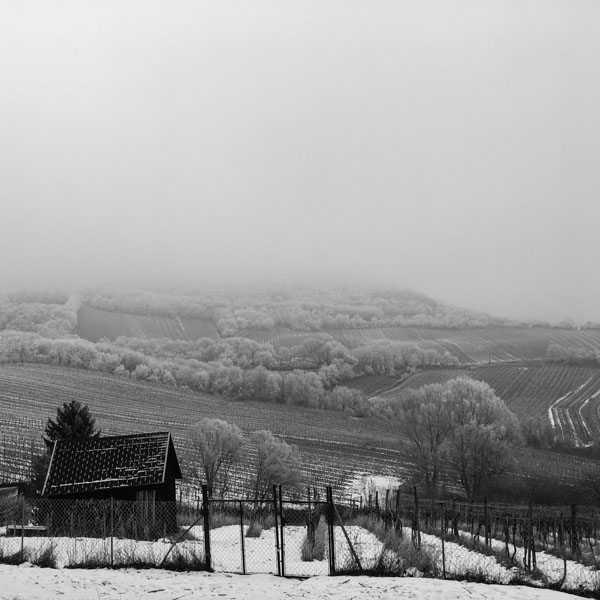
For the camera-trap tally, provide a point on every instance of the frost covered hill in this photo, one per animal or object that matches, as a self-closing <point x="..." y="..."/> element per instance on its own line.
<point x="33" y="583"/>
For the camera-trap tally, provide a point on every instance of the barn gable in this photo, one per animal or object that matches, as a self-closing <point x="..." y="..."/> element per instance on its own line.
<point x="111" y="463"/>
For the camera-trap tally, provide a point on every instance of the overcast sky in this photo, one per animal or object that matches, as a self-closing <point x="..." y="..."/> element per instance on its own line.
<point x="452" y="147"/>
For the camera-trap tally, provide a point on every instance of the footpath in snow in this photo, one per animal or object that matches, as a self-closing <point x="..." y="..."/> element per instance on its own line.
<point x="33" y="583"/>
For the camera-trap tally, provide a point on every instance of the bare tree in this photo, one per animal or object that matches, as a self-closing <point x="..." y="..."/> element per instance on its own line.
<point x="217" y="447"/>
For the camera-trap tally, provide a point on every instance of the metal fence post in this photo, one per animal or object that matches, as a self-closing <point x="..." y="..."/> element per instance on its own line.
<point x="278" y="555"/>
<point x="206" y="523"/>
<point x="112" y="532"/>
<point x="22" y="528"/>
<point x="330" y="530"/>
<point x="443" y="528"/>
<point x="282" y="536"/>
<point x="242" y="537"/>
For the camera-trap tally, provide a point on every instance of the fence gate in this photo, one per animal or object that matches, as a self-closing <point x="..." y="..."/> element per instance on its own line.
<point x="306" y="536"/>
<point x="240" y="536"/>
<point x="277" y="536"/>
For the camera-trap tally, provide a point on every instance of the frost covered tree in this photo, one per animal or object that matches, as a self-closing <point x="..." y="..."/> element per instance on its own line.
<point x="216" y="449"/>
<point x="482" y="436"/>
<point x="460" y="429"/>
<point x="276" y="463"/>
<point x="424" y="428"/>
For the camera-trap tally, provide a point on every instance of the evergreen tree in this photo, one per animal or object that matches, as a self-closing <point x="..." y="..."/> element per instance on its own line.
<point x="73" y="422"/>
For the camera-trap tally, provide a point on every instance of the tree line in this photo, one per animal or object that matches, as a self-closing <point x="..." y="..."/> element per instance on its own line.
<point x="573" y="355"/>
<point x="236" y="367"/>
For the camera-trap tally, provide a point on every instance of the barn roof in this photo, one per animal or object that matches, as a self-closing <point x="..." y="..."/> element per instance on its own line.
<point x="110" y="462"/>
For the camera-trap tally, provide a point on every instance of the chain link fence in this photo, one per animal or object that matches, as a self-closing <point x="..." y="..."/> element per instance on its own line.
<point x="87" y="533"/>
<point x="294" y="536"/>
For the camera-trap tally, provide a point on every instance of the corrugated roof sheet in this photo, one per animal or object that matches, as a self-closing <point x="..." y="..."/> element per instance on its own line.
<point x="108" y="462"/>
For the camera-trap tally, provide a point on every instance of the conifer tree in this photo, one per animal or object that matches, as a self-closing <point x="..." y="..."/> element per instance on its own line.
<point x="73" y="422"/>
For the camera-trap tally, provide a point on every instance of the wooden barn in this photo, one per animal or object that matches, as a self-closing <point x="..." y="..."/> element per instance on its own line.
<point x="137" y="471"/>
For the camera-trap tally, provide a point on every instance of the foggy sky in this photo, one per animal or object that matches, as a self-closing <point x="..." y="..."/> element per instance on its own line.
<point x="450" y="147"/>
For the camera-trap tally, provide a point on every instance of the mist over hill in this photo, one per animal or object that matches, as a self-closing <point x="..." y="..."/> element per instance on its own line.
<point x="235" y="308"/>
<point x="448" y="147"/>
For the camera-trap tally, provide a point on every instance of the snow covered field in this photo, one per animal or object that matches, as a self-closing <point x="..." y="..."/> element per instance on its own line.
<point x="32" y="583"/>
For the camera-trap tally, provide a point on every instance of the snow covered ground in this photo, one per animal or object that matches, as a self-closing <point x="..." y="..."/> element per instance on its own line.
<point x="33" y="583"/>
<point x="28" y="581"/>
<point x="461" y="560"/>
<point x="225" y="549"/>
<point x="260" y="551"/>
<point x="578" y="576"/>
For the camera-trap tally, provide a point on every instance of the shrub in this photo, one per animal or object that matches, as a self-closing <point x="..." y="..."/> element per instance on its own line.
<point x="254" y="529"/>
<point x="93" y="562"/>
<point x="185" y="559"/>
<point x="223" y="519"/>
<point x="313" y="547"/>
<point x="13" y="558"/>
<point x="45" y="558"/>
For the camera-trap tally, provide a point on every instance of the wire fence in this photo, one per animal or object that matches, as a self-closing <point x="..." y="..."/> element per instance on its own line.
<point x="396" y="534"/>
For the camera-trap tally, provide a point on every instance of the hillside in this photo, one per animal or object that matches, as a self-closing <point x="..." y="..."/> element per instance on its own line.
<point x="472" y="345"/>
<point x="308" y="364"/>
<point x="94" y="324"/>
<point x="333" y="446"/>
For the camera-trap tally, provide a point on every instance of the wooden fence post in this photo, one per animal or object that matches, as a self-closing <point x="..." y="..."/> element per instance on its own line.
<point x="417" y="524"/>
<point x="574" y="540"/>
<point x="531" y="536"/>
<point x="485" y="521"/>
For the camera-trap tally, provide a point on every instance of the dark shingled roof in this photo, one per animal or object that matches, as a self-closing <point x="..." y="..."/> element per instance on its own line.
<point x="109" y="462"/>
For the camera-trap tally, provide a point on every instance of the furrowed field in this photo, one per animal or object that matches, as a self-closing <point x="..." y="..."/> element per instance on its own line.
<point x="94" y="324"/>
<point x="470" y="346"/>
<point x="334" y="447"/>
